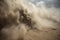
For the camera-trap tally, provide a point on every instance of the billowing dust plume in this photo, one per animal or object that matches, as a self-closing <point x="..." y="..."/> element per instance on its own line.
<point x="18" y="17"/>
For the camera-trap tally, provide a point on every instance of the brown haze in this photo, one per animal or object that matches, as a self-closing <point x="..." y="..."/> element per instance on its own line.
<point x="25" y="21"/>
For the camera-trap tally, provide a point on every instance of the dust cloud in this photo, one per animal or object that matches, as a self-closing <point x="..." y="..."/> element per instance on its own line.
<point x="23" y="20"/>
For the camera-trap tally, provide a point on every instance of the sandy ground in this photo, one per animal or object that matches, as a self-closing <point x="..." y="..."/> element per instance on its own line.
<point x="44" y="34"/>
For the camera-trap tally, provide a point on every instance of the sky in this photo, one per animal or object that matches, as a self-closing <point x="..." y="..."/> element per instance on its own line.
<point x="48" y="3"/>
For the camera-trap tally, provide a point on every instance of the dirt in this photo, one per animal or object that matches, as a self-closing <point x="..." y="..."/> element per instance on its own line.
<point x="44" y="34"/>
